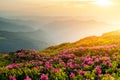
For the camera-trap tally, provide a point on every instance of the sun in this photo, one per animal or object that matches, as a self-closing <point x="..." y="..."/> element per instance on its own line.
<point x="103" y="2"/>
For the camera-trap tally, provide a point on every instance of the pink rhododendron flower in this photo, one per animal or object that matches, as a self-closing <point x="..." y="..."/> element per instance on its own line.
<point x="70" y="65"/>
<point x="27" y="78"/>
<point x="98" y="69"/>
<point x="85" y="65"/>
<point x="33" y="51"/>
<point x="44" y="77"/>
<point x="48" y="65"/>
<point x="14" y="65"/>
<point x="76" y="65"/>
<point x="82" y="72"/>
<point x="12" y="78"/>
<point x="72" y="75"/>
<point x="90" y="62"/>
<point x="110" y="64"/>
<point x="97" y="59"/>
<point x="56" y="70"/>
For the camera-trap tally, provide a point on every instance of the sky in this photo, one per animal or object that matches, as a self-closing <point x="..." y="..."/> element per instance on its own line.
<point x="108" y="13"/>
<point x="100" y="10"/>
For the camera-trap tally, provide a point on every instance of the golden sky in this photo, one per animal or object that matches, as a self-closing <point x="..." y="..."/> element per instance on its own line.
<point x="98" y="10"/>
<point x="62" y="8"/>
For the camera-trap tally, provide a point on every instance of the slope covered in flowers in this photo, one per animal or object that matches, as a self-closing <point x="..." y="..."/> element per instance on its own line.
<point x="92" y="58"/>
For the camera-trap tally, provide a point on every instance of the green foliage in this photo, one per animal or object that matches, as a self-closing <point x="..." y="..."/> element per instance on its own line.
<point x="92" y="58"/>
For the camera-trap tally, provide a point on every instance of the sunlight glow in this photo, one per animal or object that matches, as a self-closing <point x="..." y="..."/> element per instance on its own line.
<point x="103" y="2"/>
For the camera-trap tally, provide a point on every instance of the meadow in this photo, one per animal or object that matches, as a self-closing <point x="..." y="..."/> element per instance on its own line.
<point x="91" y="58"/>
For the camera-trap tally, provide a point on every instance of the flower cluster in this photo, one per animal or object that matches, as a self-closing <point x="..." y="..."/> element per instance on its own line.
<point x="82" y="63"/>
<point x="14" y="65"/>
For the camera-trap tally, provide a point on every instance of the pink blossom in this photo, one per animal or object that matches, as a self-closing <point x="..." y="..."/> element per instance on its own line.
<point x="76" y="65"/>
<point x="98" y="69"/>
<point x="110" y="64"/>
<point x="14" y="65"/>
<point x="36" y="67"/>
<point x="99" y="75"/>
<point x="33" y="51"/>
<point x="44" y="77"/>
<point x="75" y="70"/>
<point x="82" y="72"/>
<point x="12" y="78"/>
<point x="97" y="59"/>
<point x="51" y="60"/>
<point x="56" y="70"/>
<point x="48" y="65"/>
<point x="70" y="65"/>
<point x="39" y="62"/>
<point x="28" y="78"/>
<point x="90" y="62"/>
<point x="70" y="56"/>
<point x="65" y="51"/>
<point x="72" y="75"/>
<point x="85" y="65"/>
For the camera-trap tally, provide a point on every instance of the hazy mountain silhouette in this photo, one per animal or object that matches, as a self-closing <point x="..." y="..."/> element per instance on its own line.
<point x="14" y="25"/>
<point x="73" y="29"/>
<point x="17" y="34"/>
<point x="12" y="41"/>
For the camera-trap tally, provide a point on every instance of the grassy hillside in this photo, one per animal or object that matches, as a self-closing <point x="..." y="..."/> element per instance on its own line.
<point x="91" y="58"/>
<point x="109" y="38"/>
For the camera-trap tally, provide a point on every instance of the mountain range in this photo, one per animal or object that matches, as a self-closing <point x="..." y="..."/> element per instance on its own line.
<point x="17" y="34"/>
<point x="45" y="31"/>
